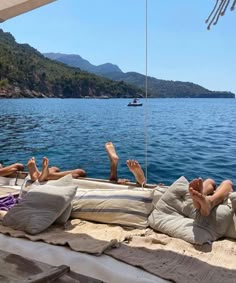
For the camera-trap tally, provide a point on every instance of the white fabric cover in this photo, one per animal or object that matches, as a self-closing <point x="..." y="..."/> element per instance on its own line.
<point x="11" y="181"/>
<point x="128" y="207"/>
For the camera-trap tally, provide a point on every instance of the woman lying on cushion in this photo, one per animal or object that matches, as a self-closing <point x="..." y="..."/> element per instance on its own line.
<point x="52" y="173"/>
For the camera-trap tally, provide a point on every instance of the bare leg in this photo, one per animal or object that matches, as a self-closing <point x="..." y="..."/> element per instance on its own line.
<point x="114" y="162"/>
<point x="76" y="173"/>
<point x="206" y="203"/>
<point x="136" y="169"/>
<point x="205" y="188"/>
<point x="209" y="187"/>
<point x="222" y="192"/>
<point x="45" y="171"/>
<point x="54" y="169"/>
<point x="196" y="185"/>
<point x="33" y="170"/>
<point x="113" y="159"/>
<point x="9" y="171"/>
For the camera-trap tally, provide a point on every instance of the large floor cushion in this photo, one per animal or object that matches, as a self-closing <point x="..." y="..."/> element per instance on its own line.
<point x="128" y="207"/>
<point x="41" y="207"/>
<point x="175" y="215"/>
<point x="231" y="232"/>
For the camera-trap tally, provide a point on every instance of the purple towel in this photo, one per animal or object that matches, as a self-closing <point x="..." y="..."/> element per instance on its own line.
<point x="8" y="202"/>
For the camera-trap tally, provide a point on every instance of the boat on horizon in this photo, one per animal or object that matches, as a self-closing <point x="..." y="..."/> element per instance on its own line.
<point x="135" y="103"/>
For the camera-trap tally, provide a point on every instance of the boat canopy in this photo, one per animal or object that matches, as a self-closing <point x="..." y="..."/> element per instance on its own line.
<point x="13" y="8"/>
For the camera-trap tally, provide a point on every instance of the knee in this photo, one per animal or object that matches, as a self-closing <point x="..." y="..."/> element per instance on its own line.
<point x="82" y="173"/>
<point x="228" y="184"/>
<point x="211" y="181"/>
<point x="19" y="166"/>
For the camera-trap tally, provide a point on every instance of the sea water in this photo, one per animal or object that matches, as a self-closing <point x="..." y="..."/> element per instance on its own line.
<point x="169" y="137"/>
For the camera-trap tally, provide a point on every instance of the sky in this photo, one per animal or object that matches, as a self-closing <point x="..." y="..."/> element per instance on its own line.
<point x="179" y="46"/>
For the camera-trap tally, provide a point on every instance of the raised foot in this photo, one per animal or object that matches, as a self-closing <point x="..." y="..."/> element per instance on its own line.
<point x="137" y="171"/>
<point x="45" y="171"/>
<point x="111" y="152"/>
<point x="196" y="185"/>
<point x="33" y="170"/>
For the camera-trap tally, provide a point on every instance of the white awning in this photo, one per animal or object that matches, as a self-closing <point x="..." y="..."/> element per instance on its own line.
<point x="13" y="8"/>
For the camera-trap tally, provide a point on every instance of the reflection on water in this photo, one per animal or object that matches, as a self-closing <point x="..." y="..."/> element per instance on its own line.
<point x="190" y="137"/>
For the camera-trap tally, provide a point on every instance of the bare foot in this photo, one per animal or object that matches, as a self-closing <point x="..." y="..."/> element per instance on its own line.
<point x="114" y="160"/>
<point x="203" y="201"/>
<point x="136" y="169"/>
<point x="54" y="169"/>
<point x="45" y="171"/>
<point x="122" y="181"/>
<point x="196" y="185"/>
<point x="78" y="173"/>
<point x="111" y="152"/>
<point x="18" y="166"/>
<point x="33" y="170"/>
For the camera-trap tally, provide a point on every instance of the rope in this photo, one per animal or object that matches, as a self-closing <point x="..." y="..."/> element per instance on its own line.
<point x="219" y="10"/>
<point x="146" y="96"/>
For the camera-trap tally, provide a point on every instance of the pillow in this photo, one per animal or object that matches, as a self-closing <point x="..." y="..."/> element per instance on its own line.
<point x="231" y="232"/>
<point x="40" y="207"/>
<point x="175" y="215"/>
<point x="158" y="193"/>
<point x="62" y="219"/>
<point x="129" y="207"/>
<point x="64" y="181"/>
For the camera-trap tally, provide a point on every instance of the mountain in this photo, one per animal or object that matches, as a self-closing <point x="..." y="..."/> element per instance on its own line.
<point x="156" y="88"/>
<point x="25" y="72"/>
<point x="78" y="62"/>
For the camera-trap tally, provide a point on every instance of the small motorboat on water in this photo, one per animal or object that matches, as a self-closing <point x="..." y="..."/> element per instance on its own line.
<point x="135" y="103"/>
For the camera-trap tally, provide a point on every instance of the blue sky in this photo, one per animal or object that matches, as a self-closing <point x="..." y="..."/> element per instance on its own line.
<point x="179" y="45"/>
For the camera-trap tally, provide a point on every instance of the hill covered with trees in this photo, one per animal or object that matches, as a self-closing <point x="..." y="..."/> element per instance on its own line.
<point x="156" y="88"/>
<point x="25" y="72"/>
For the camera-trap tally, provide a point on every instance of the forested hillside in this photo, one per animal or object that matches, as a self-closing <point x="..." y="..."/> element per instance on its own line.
<point x="24" y="72"/>
<point x="156" y="88"/>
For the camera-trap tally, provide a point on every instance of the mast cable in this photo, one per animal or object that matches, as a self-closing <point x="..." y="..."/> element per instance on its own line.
<point x="146" y="104"/>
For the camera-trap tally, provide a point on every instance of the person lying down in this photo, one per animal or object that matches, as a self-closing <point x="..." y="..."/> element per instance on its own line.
<point x="12" y="171"/>
<point x="204" y="193"/>
<point x="54" y="173"/>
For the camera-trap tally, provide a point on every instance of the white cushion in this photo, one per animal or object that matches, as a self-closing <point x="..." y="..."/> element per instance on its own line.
<point x="40" y="208"/>
<point x="231" y="232"/>
<point x="128" y="207"/>
<point x="175" y="215"/>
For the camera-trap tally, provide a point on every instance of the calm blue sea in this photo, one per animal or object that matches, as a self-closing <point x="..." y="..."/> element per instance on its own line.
<point x="190" y="137"/>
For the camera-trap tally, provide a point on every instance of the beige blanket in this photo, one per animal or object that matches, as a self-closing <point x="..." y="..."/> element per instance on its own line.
<point x="166" y="257"/>
<point x="81" y="236"/>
